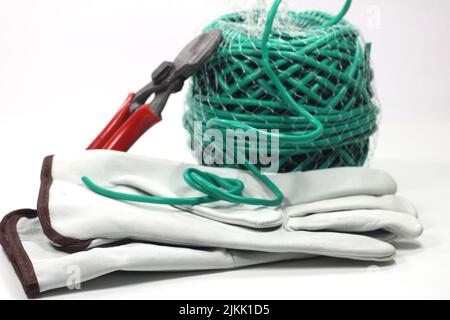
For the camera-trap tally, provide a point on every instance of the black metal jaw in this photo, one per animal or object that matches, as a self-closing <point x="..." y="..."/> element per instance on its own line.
<point x="161" y="87"/>
<point x="162" y="72"/>
<point x="159" y="103"/>
<point x="169" y="77"/>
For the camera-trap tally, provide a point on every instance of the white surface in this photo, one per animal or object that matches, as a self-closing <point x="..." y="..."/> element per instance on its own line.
<point x="66" y="66"/>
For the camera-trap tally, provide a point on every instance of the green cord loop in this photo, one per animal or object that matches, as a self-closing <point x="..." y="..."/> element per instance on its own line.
<point x="314" y="88"/>
<point x="215" y="187"/>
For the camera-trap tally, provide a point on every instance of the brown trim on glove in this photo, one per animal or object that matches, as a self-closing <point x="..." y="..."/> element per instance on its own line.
<point x="67" y="244"/>
<point x="12" y="244"/>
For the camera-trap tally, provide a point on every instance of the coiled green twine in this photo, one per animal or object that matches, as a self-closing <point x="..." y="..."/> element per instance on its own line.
<point x="311" y="81"/>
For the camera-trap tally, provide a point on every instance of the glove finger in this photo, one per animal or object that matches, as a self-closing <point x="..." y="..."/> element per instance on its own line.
<point x="388" y="203"/>
<point x="307" y="187"/>
<point x="397" y="223"/>
<point x="245" y="216"/>
<point x="338" y="245"/>
<point x="188" y="230"/>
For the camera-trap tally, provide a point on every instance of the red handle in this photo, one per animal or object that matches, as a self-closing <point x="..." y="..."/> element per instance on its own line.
<point x="114" y="125"/>
<point x="134" y="128"/>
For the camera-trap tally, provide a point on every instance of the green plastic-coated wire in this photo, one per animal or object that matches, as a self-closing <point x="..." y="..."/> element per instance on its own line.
<point x="313" y="87"/>
<point x="310" y="79"/>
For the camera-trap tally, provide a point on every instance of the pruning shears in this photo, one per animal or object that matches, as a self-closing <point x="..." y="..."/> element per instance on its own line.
<point x="136" y="116"/>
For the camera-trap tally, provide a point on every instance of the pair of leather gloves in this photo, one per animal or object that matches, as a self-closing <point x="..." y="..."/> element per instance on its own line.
<point x="350" y="213"/>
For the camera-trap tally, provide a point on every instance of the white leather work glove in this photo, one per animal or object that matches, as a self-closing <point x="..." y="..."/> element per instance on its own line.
<point x="337" y="212"/>
<point x="42" y="267"/>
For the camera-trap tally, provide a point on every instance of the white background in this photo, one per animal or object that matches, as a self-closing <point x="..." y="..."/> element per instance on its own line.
<point x="66" y="67"/>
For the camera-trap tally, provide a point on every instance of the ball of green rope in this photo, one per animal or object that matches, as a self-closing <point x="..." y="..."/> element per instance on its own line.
<point x="311" y="81"/>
